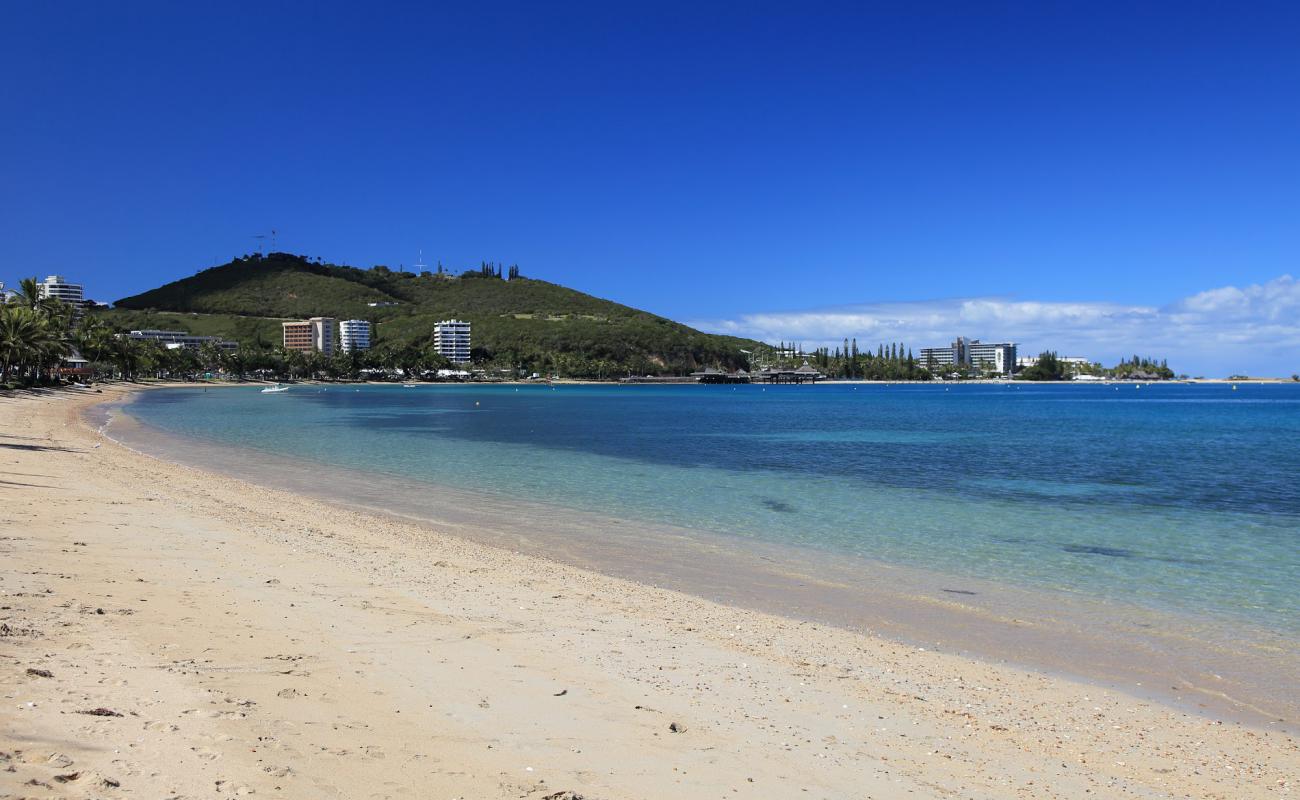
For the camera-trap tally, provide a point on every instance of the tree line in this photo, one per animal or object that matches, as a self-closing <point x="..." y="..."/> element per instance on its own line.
<point x="889" y="362"/>
<point x="1051" y="367"/>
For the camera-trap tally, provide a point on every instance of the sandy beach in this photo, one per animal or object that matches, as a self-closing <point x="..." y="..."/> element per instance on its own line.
<point x="167" y="632"/>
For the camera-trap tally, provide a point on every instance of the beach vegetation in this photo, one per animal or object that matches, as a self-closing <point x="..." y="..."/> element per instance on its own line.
<point x="35" y="337"/>
<point x="1049" y="367"/>
<point x="1143" y="368"/>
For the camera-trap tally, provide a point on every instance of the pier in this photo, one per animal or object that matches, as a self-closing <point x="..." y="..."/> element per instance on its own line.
<point x="715" y="375"/>
<point x="804" y="374"/>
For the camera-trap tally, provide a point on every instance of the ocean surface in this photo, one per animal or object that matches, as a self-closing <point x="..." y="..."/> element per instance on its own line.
<point x="1180" y="500"/>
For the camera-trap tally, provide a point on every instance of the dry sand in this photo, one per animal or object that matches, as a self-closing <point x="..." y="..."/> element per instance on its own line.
<point x="237" y="640"/>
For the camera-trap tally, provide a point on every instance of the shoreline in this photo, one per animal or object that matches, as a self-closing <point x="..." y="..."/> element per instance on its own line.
<point x="1226" y="666"/>
<point x="1001" y="381"/>
<point x="787" y="704"/>
<point x="1124" y="648"/>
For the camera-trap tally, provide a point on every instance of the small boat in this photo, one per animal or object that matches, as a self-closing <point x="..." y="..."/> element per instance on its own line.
<point x="274" y="389"/>
<point x="409" y="385"/>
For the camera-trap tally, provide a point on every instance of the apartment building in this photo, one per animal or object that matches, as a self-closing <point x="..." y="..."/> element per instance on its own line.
<point x="354" y="335"/>
<point x="58" y="288"/>
<point x="451" y="340"/>
<point x="310" y="335"/>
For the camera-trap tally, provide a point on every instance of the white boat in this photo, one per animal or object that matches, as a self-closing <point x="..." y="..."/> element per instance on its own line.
<point x="274" y="389"/>
<point x="409" y="385"/>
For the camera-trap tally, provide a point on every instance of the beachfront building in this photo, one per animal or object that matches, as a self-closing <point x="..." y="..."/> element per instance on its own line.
<point x="715" y="375"/>
<point x="75" y="366"/>
<point x="181" y="339"/>
<point x="56" y="287"/>
<point x="804" y="374"/>
<point x="310" y="335"/>
<point x="935" y="358"/>
<point x="354" y="335"/>
<point x="999" y="357"/>
<point x="451" y="340"/>
<point x="954" y="356"/>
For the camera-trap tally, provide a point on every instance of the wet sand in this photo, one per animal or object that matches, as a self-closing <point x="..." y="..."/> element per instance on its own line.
<point x="258" y="641"/>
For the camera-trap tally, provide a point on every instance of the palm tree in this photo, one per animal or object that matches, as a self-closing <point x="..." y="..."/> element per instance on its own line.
<point x="94" y="339"/>
<point x="210" y="357"/>
<point x="53" y="348"/>
<point x="29" y="293"/>
<point x="19" y="330"/>
<point x="126" y="356"/>
<point x="29" y="343"/>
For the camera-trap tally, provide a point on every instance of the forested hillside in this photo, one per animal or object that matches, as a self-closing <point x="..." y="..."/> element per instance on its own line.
<point x="517" y="321"/>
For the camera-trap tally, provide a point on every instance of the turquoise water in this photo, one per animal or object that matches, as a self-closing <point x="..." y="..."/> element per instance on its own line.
<point x="1181" y="498"/>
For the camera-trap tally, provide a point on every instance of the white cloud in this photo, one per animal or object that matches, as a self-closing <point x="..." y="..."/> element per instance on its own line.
<point x="1253" y="329"/>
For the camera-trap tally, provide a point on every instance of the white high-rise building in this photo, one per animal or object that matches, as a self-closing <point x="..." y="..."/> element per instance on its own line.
<point x="451" y="340"/>
<point x="58" y="288"/>
<point x="354" y="334"/>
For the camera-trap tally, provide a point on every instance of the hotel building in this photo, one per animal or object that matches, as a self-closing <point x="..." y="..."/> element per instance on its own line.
<point x="58" y="288"/>
<point x="451" y="340"/>
<point x="354" y="334"/>
<point x="999" y="357"/>
<point x="312" y="335"/>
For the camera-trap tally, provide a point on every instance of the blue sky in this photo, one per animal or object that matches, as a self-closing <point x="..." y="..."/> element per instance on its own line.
<point x="746" y="167"/>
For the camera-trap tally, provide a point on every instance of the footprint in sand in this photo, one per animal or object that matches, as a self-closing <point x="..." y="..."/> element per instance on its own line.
<point x="373" y="751"/>
<point x="55" y="760"/>
<point x="88" y="780"/>
<point x="226" y="787"/>
<point x="165" y="727"/>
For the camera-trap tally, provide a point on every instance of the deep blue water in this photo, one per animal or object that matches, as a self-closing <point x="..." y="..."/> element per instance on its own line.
<point x="1181" y="497"/>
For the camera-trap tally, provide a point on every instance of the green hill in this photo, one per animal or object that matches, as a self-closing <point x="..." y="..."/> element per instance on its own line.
<point x="519" y="322"/>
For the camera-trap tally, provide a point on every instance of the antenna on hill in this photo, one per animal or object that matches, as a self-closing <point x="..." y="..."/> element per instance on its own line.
<point x="419" y="265"/>
<point x="261" y="238"/>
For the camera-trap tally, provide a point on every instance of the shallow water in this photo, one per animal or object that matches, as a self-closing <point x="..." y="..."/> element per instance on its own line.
<point x="1175" y="501"/>
<point x="1183" y="497"/>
